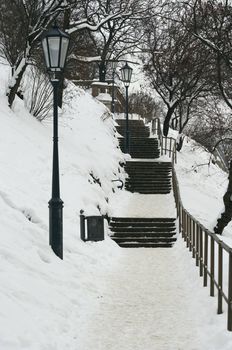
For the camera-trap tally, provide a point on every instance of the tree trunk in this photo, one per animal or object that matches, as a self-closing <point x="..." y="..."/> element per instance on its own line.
<point x="102" y="72"/>
<point x="167" y="119"/>
<point x="226" y="216"/>
<point x="14" y="89"/>
<point x="180" y="143"/>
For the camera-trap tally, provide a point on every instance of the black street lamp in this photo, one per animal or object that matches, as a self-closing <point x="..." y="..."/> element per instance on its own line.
<point x="55" y="45"/>
<point x="126" y="73"/>
<point x="113" y="65"/>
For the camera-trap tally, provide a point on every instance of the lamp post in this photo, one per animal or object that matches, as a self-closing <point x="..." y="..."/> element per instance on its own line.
<point x="113" y="65"/>
<point x="126" y="73"/>
<point x="55" y="45"/>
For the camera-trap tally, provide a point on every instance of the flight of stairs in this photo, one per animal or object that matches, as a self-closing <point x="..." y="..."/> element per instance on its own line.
<point x="143" y="232"/>
<point x="146" y="175"/>
<point x="141" y="145"/>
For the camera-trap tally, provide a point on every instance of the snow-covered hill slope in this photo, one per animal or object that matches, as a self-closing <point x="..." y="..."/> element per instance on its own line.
<point x="38" y="291"/>
<point x="202" y="186"/>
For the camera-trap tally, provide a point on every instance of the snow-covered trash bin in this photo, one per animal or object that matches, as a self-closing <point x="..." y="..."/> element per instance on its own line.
<point x="91" y="227"/>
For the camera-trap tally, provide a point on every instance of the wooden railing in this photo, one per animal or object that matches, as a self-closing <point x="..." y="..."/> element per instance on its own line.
<point x="167" y="144"/>
<point x="213" y="257"/>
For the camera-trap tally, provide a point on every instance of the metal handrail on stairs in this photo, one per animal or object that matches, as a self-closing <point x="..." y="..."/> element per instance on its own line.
<point x="167" y="144"/>
<point x="209" y="251"/>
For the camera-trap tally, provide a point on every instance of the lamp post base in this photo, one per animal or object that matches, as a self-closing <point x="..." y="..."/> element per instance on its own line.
<point x="56" y="226"/>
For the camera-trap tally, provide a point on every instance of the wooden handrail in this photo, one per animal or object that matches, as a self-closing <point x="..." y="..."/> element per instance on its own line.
<point x="167" y="144"/>
<point x="202" y="242"/>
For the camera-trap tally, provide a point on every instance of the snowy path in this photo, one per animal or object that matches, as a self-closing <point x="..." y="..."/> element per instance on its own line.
<point x="149" y="301"/>
<point x="127" y="204"/>
<point x="152" y="299"/>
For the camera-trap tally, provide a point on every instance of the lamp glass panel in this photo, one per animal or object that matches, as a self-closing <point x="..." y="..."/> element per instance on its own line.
<point x="54" y="48"/>
<point x="45" y="50"/>
<point x="64" y="49"/>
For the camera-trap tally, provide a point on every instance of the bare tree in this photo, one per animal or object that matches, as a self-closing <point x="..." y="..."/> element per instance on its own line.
<point x="34" y="16"/>
<point x="177" y="65"/>
<point x="145" y="105"/>
<point x="38" y="95"/>
<point x="211" y="24"/>
<point x="117" y="36"/>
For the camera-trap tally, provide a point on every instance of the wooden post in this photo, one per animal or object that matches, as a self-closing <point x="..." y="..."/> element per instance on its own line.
<point x="162" y="145"/>
<point x="220" y="278"/>
<point x="194" y="240"/>
<point x="190" y="234"/>
<point x="201" y="251"/>
<point x="187" y="230"/>
<point x="184" y="224"/>
<point x="229" y="319"/>
<point x="197" y="245"/>
<point x="212" y="260"/>
<point x="82" y="225"/>
<point x="180" y="218"/>
<point x="205" y="260"/>
<point x="153" y="126"/>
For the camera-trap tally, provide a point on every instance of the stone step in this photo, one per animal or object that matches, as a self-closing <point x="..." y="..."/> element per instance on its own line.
<point x="131" y="129"/>
<point x="149" y="145"/>
<point x="158" y="190"/>
<point x="145" y="245"/>
<point x="137" y="219"/>
<point x="144" y="240"/>
<point x="145" y="178"/>
<point x="141" y="146"/>
<point x="137" y="136"/>
<point x="148" y="176"/>
<point x="149" y="172"/>
<point x="131" y="121"/>
<point x="145" y="140"/>
<point x="154" y="164"/>
<point x="148" y="180"/>
<point x="142" y="186"/>
<point x="143" y="230"/>
<point x="143" y="156"/>
<point x="146" y="234"/>
<point x="145" y="185"/>
<point x="150" y="191"/>
<point x="142" y="224"/>
<point x="148" y="168"/>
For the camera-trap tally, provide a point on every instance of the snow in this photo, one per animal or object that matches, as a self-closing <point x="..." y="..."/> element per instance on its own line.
<point x="100" y="296"/>
<point x="104" y="97"/>
<point x="141" y="307"/>
<point x="127" y="204"/>
<point x="202" y="186"/>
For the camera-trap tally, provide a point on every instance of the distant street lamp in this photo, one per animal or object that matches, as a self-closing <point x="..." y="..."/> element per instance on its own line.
<point x="55" y="45"/>
<point x="126" y="73"/>
<point x="113" y="65"/>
